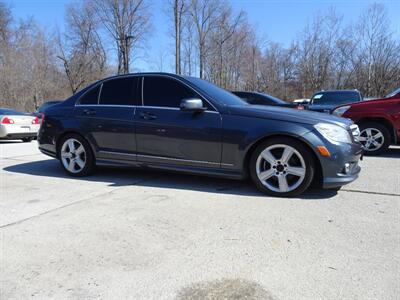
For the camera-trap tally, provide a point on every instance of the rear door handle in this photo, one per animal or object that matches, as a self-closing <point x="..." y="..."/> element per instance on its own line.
<point x="89" y="112"/>
<point x="148" y="116"/>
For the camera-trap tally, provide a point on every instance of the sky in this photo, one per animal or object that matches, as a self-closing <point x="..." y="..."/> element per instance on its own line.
<point x="275" y="20"/>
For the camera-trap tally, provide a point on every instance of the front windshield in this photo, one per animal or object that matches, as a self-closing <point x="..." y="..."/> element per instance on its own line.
<point x="216" y="93"/>
<point x="393" y="93"/>
<point x="335" y="98"/>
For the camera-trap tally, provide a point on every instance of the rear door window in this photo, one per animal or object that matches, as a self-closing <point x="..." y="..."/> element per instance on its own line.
<point x="120" y="91"/>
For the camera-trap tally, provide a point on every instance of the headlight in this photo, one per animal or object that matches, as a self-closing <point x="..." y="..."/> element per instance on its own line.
<point x="333" y="133"/>
<point x="341" y="110"/>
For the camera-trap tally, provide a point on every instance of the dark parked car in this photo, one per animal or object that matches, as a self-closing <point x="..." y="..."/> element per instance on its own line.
<point x="263" y="99"/>
<point x="326" y="101"/>
<point x="179" y="123"/>
<point x="379" y="121"/>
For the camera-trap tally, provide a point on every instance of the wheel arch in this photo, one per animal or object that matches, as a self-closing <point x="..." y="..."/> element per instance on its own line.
<point x="70" y="131"/>
<point x="318" y="175"/>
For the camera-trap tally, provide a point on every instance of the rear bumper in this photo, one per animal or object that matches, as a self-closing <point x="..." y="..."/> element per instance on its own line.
<point x="12" y="132"/>
<point x="18" y="136"/>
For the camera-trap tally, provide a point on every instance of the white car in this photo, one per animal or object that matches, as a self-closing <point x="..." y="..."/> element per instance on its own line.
<point x="16" y="125"/>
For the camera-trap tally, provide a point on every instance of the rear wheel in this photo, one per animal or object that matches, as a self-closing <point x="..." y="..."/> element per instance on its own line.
<point x="282" y="167"/>
<point x="374" y="137"/>
<point x="27" y="140"/>
<point x="76" y="156"/>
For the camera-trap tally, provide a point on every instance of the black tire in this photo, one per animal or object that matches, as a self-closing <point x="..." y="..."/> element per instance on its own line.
<point x="385" y="133"/>
<point x="302" y="150"/>
<point x="89" y="167"/>
<point x="27" y="140"/>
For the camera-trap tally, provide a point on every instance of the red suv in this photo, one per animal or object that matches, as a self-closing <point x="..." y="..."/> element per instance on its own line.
<point x="379" y="121"/>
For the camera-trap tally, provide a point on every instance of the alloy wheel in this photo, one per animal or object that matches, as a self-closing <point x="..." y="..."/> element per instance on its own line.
<point x="280" y="168"/>
<point x="73" y="155"/>
<point x="371" y="139"/>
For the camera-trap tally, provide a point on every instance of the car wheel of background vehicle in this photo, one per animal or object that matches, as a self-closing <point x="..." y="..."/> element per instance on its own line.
<point x="76" y="156"/>
<point x="374" y="137"/>
<point x="27" y="140"/>
<point x="282" y="167"/>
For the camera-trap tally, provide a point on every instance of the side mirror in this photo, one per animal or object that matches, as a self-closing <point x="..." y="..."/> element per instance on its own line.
<point x="192" y="104"/>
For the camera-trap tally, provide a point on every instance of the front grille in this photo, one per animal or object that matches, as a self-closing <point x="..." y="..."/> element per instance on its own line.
<point x="355" y="131"/>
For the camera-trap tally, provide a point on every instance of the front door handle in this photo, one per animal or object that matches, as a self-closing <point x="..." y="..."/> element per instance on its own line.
<point x="89" y="112"/>
<point x="148" y="116"/>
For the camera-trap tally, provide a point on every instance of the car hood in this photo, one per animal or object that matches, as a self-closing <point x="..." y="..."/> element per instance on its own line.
<point x="287" y="114"/>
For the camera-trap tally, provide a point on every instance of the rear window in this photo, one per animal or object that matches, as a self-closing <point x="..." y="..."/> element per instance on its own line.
<point x="91" y="97"/>
<point x="335" y="98"/>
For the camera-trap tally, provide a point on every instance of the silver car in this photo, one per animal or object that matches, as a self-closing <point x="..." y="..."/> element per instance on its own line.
<point x="15" y="125"/>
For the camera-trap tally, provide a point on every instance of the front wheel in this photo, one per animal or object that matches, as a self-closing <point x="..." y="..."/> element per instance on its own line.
<point x="374" y="137"/>
<point x="282" y="167"/>
<point x="76" y="156"/>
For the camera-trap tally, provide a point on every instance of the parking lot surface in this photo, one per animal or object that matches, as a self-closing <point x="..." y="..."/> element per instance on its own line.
<point x="134" y="234"/>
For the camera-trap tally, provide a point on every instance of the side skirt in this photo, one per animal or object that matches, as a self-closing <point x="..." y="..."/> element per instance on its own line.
<point x="213" y="172"/>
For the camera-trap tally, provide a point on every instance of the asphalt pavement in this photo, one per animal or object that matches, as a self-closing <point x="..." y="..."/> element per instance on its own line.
<point x="134" y="234"/>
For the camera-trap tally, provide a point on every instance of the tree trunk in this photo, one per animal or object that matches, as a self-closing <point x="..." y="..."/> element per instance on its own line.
<point x="178" y="16"/>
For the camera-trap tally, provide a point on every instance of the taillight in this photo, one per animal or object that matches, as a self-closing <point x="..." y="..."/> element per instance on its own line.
<point x="7" y="120"/>
<point x="35" y="121"/>
<point x="301" y="107"/>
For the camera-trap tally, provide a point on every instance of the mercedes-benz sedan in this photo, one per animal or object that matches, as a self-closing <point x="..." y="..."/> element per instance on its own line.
<point x="186" y="124"/>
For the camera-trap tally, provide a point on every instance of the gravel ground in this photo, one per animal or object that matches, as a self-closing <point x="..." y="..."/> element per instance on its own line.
<point x="133" y="234"/>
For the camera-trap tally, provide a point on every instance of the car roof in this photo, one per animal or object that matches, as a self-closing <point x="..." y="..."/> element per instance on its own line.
<point x="337" y="91"/>
<point x="144" y="74"/>
<point x="9" y="111"/>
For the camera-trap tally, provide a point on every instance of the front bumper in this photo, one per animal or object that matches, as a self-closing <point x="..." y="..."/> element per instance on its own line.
<point x="342" y="167"/>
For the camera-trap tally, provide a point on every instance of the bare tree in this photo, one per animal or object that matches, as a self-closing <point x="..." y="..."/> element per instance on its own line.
<point x="209" y="39"/>
<point x="128" y="23"/>
<point x="204" y="14"/>
<point x="5" y="22"/>
<point x="178" y="9"/>
<point x="80" y="48"/>
<point x="221" y="46"/>
<point x="379" y="53"/>
<point x="28" y="72"/>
